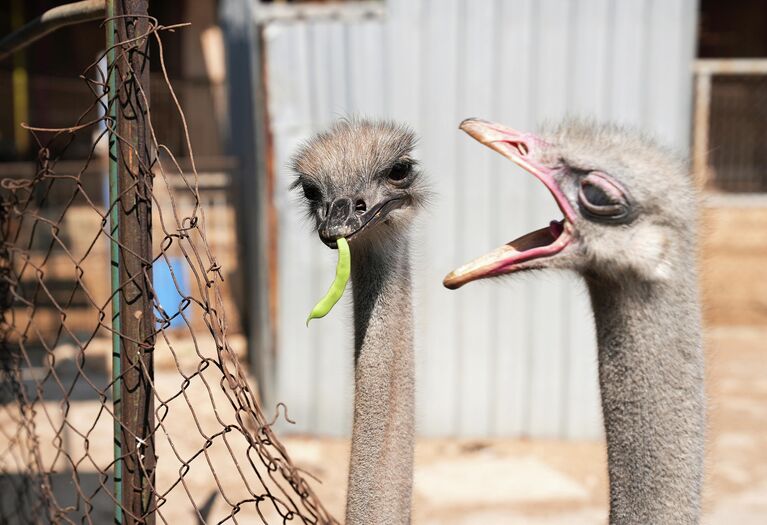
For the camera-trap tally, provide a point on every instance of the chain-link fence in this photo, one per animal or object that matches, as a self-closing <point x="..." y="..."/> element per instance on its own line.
<point x="122" y="397"/>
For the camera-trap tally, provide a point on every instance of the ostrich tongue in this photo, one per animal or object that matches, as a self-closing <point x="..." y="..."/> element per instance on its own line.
<point x="343" y="271"/>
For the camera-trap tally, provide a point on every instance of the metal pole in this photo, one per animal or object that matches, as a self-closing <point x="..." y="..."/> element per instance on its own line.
<point x="133" y="214"/>
<point x="248" y="141"/>
<point x="114" y="260"/>
<point x="20" y="79"/>
<point x="51" y="20"/>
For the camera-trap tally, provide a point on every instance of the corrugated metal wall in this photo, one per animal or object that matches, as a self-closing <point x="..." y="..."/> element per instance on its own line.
<point x="513" y="358"/>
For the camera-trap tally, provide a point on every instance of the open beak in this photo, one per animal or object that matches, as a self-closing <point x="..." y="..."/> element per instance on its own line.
<point x="533" y="249"/>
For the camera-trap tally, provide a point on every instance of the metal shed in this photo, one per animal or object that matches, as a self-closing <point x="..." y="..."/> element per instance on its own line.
<point x="511" y="359"/>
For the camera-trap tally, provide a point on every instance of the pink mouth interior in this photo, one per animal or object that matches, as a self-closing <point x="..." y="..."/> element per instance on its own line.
<point x="556" y="228"/>
<point x="538" y="244"/>
<point x="522" y="252"/>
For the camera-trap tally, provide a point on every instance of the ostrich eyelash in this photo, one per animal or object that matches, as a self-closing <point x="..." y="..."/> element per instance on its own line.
<point x="299" y="180"/>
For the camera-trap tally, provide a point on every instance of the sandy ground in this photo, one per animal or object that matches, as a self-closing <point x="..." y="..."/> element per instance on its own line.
<point x="733" y="258"/>
<point x="502" y="481"/>
<point x="479" y="481"/>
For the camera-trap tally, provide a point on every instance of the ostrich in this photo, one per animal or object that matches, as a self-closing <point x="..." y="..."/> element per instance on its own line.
<point x="629" y="231"/>
<point x="360" y="182"/>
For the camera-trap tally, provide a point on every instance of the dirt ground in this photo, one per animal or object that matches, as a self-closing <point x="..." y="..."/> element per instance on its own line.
<point x="733" y="259"/>
<point x="503" y="481"/>
<point x="457" y="482"/>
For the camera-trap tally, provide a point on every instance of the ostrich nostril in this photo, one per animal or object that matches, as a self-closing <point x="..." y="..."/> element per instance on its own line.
<point x="360" y="206"/>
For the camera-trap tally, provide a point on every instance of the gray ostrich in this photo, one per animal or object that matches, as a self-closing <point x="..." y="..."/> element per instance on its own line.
<point x="360" y="182"/>
<point x="629" y="231"/>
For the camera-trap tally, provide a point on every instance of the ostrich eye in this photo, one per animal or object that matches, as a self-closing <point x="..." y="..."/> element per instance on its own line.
<point x="603" y="200"/>
<point x="311" y="192"/>
<point x="399" y="171"/>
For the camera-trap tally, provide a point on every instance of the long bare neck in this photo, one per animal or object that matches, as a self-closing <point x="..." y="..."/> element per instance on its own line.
<point x="381" y="469"/>
<point x="651" y="374"/>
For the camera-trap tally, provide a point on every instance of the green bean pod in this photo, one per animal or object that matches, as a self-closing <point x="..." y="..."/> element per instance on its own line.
<point x="343" y="271"/>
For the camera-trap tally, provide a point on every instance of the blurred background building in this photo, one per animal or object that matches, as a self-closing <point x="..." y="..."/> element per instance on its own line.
<point x="255" y="79"/>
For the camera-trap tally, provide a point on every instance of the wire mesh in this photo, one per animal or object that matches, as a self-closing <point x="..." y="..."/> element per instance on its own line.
<point x="217" y="458"/>
<point x="738" y="127"/>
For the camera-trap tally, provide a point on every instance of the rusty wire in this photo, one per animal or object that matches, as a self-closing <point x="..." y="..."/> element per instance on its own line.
<point x="217" y="457"/>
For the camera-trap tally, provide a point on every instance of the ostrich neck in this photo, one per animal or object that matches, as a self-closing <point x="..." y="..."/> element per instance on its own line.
<point x="652" y="383"/>
<point x="380" y="475"/>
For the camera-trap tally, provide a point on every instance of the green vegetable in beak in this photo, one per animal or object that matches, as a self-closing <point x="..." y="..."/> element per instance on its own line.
<point x="343" y="270"/>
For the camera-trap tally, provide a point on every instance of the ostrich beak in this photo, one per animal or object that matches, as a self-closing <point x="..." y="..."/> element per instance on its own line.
<point x="343" y="221"/>
<point x="531" y="250"/>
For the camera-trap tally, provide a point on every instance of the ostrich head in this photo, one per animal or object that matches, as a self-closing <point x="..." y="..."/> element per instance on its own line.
<point x="360" y="181"/>
<point x="628" y="205"/>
